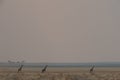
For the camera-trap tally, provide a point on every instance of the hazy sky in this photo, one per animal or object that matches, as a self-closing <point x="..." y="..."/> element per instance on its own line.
<point x="60" y="30"/>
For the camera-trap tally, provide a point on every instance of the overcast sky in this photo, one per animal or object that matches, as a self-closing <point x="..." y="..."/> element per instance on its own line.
<point x="60" y="30"/>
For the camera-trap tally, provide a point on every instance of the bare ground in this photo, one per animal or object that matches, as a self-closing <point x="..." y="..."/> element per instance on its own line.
<point x="60" y="74"/>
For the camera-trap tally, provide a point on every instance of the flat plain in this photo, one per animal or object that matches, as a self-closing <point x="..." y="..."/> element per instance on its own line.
<point x="60" y="74"/>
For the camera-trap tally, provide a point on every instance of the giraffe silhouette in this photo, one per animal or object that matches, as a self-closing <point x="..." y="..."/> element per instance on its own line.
<point x="44" y="69"/>
<point x="92" y="69"/>
<point x="20" y="69"/>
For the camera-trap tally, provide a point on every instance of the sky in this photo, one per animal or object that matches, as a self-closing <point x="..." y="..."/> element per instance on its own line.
<point x="60" y="30"/>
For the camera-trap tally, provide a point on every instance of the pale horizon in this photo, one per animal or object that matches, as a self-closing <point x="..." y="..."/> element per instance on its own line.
<point x="60" y="30"/>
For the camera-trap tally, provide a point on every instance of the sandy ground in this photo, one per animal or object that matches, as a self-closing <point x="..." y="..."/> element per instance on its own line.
<point x="60" y="74"/>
